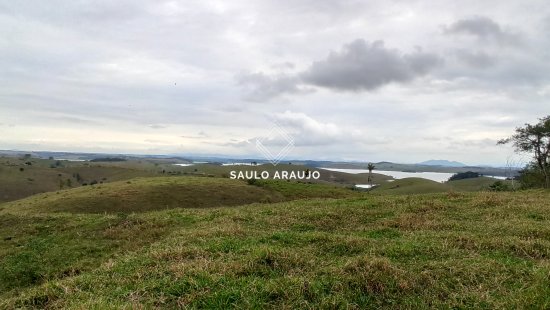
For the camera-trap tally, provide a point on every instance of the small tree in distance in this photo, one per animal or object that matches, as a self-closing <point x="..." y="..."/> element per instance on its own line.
<point x="534" y="139"/>
<point x="371" y="167"/>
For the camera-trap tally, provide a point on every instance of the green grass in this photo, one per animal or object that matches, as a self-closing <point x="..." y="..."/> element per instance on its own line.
<point x="476" y="184"/>
<point x="408" y="186"/>
<point x="446" y="250"/>
<point x="326" y="176"/>
<point x="300" y="190"/>
<point x="19" y="180"/>
<point x="411" y="186"/>
<point x="146" y="194"/>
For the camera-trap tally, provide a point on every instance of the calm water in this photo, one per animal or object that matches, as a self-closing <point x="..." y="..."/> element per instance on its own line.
<point x="434" y="176"/>
<point x="367" y="186"/>
<point x="191" y="164"/>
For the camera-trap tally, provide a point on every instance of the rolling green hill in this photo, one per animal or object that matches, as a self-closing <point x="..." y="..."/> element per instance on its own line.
<point x="326" y="176"/>
<point x="20" y="177"/>
<point x="146" y="194"/>
<point x="411" y="186"/>
<point x="475" y="184"/>
<point x="23" y="177"/>
<point x="448" y="250"/>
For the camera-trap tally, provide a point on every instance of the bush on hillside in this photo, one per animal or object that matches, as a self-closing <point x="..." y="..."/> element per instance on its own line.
<point x="464" y="175"/>
<point x="531" y="177"/>
<point x="499" y="186"/>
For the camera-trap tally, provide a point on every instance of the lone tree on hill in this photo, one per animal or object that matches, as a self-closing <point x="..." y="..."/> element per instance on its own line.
<point x="371" y="167"/>
<point x="534" y="139"/>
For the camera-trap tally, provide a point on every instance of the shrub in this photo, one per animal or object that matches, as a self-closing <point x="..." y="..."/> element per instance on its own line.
<point x="499" y="186"/>
<point x="464" y="175"/>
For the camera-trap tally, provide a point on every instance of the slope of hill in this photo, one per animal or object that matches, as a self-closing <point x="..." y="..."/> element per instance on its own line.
<point x="146" y="194"/>
<point x="422" y="186"/>
<point x="461" y="250"/>
<point x="474" y="184"/>
<point x="411" y="186"/>
<point x="20" y="178"/>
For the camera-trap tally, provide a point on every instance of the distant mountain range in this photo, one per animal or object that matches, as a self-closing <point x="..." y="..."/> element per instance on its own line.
<point x="442" y="163"/>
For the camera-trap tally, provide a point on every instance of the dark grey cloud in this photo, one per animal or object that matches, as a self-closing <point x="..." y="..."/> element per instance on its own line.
<point x="359" y="66"/>
<point x="483" y="28"/>
<point x="366" y="66"/>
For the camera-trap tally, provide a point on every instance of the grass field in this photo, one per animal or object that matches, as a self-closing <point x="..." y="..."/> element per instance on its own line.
<point x="22" y="177"/>
<point x="446" y="250"/>
<point x="157" y="193"/>
<point x="412" y="186"/>
<point x="408" y="186"/>
<point x="18" y="179"/>
<point x="478" y="184"/>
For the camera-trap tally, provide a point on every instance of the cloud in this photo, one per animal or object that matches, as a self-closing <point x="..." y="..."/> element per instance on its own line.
<point x="199" y="135"/>
<point x="359" y="66"/>
<point x="483" y="28"/>
<point x="128" y="64"/>
<point x="156" y="126"/>
<point x="304" y="131"/>
<point x="308" y="131"/>
<point x="475" y="59"/>
<point x="261" y="87"/>
<point x="367" y="66"/>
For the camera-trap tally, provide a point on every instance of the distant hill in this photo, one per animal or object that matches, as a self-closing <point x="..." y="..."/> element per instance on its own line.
<point x="442" y="163"/>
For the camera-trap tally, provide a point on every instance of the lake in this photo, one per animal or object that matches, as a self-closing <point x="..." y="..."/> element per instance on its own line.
<point x="434" y="176"/>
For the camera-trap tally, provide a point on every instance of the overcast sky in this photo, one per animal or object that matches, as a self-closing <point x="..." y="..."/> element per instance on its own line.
<point x="402" y="81"/>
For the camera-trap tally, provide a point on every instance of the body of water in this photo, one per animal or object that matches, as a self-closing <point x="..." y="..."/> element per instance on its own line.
<point x="434" y="176"/>
<point x="191" y="164"/>
<point x="241" y="164"/>
<point x="367" y="186"/>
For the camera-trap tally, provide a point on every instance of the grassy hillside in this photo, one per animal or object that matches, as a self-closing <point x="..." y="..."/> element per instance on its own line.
<point x="21" y="177"/>
<point x="475" y="184"/>
<point x="423" y="186"/>
<point x="449" y="250"/>
<point x="411" y="186"/>
<point x="146" y="194"/>
<point x="325" y="175"/>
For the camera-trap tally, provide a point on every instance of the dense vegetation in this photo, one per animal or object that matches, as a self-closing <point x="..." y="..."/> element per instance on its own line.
<point x="533" y="139"/>
<point x="464" y="175"/>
